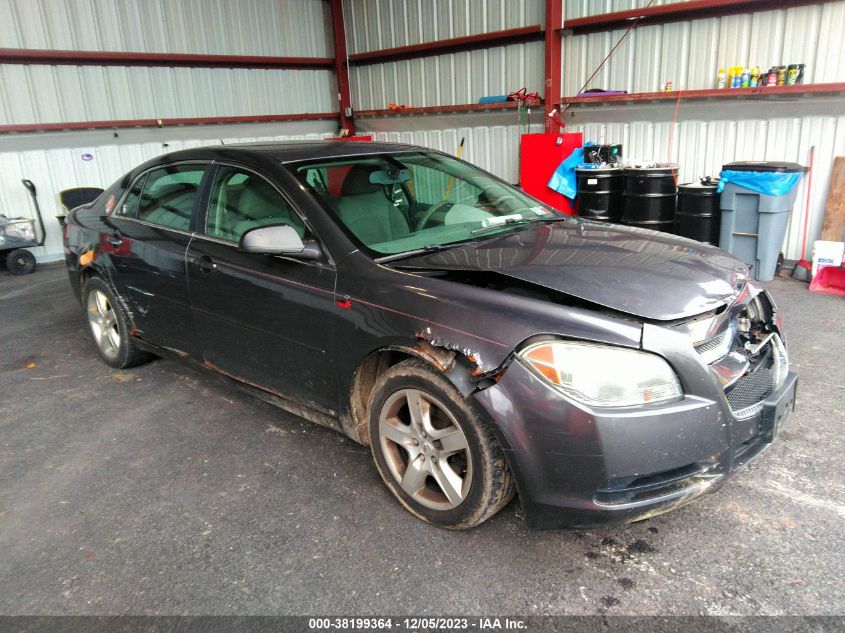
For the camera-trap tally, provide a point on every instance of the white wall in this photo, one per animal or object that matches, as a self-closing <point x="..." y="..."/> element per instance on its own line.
<point x="690" y="53"/>
<point x="49" y="94"/>
<point x="52" y="94"/>
<point x="443" y="79"/>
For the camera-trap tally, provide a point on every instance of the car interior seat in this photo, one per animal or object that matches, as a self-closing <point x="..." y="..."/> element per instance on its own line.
<point x="366" y="211"/>
<point x="260" y="205"/>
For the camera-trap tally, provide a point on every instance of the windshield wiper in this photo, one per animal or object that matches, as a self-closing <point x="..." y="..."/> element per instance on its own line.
<point x="552" y="218"/>
<point x="425" y="250"/>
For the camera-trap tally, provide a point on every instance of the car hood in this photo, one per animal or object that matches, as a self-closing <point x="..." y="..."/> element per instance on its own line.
<point x="642" y="273"/>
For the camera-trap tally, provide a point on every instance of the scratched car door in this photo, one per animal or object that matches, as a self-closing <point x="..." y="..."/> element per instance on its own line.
<point x="146" y="238"/>
<point x="267" y="320"/>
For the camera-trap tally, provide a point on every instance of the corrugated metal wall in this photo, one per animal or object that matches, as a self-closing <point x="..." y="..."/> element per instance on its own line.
<point x="445" y="79"/>
<point x="490" y="144"/>
<point x="53" y="170"/>
<point x="46" y="94"/>
<point x="49" y="94"/>
<point x="690" y="54"/>
<point x="298" y="28"/>
<point x="687" y="53"/>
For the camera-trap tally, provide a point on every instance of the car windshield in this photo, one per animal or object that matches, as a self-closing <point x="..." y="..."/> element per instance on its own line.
<point x="395" y="203"/>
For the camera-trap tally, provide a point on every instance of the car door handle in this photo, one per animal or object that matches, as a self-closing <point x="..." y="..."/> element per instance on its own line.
<point x="204" y="263"/>
<point x="114" y="240"/>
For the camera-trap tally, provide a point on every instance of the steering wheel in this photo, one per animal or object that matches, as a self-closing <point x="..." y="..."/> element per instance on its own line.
<point x="431" y="211"/>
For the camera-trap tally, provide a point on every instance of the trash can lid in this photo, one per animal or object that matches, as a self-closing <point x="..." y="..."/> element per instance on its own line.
<point x="763" y="165"/>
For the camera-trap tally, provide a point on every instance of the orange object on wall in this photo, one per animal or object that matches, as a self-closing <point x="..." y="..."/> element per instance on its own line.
<point x="540" y="156"/>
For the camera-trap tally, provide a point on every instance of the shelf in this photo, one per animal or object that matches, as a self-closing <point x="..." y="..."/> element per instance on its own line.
<point x="434" y="110"/>
<point x="761" y="93"/>
<point x="142" y="123"/>
<point x="677" y="11"/>
<point x="111" y="58"/>
<point x="453" y="45"/>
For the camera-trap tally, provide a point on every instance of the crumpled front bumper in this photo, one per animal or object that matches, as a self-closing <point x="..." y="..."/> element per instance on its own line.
<point x="577" y="466"/>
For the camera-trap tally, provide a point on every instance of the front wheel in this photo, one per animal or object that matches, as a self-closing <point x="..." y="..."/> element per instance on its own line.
<point x="433" y="452"/>
<point x="110" y="327"/>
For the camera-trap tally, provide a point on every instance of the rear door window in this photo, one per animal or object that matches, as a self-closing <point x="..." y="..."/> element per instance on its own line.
<point x="169" y="196"/>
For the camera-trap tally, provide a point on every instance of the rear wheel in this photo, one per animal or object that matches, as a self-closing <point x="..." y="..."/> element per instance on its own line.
<point x="20" y="262"/>
<point x="110" y="327"/>
<point x="433" y="452"/>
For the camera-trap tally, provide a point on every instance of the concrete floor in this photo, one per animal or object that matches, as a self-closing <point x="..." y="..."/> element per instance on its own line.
<point x="164" y="490"/>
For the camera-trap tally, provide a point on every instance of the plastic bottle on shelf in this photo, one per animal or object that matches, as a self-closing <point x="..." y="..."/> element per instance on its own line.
<point x="746" y="78"/>
<point x="772" y="78"/>
<point x="721" y="78"/>
<point x="755" y="77"/>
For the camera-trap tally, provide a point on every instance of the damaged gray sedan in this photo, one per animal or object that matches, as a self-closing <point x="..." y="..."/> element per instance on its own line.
<point x="480" y="343"/>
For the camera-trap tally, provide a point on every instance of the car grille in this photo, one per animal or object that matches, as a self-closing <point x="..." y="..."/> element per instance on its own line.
<point x="751" y="390"/>
<point x="677" y="481"/>
<point x="765" y="368"/>
<point x="709" y="346"/>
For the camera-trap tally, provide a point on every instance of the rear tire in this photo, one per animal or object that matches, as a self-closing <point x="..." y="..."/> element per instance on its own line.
<point x="432" y="450"/>
<point x="20" y="262"/>
<point x="109" y="326"/>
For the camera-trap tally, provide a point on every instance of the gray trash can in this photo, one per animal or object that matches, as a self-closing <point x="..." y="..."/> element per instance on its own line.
<point x="754" y="224"/>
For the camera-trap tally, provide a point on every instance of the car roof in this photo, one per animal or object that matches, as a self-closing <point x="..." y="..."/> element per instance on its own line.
<point x="291" y="151"/>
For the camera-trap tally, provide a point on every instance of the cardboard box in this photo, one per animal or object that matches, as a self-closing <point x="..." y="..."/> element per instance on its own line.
<point x="827" y="254"/>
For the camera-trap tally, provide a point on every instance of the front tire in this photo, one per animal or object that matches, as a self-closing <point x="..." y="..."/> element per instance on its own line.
<point x="20" y="262"/>
<point x="432" y="450"/>
<point x="109" y="326"/>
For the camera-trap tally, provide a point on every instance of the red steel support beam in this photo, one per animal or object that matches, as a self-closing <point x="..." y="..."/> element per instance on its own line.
<point x="554" y="20"/>
<point x="452" y="45"/>
<point x="107" y="58"/>
<point x="129" y="123"/>
<point x="341" y="70"/>
<point x="677" y="11"/>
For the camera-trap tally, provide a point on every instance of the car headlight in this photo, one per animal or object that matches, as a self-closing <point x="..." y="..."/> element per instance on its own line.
<point x="601" y="375"/>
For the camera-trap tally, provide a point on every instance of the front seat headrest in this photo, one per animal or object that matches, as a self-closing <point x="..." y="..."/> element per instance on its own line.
<point x="357" y="181"/>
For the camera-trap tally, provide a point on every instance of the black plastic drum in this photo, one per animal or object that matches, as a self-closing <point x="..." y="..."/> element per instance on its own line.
<point x="600" y="193"/>
<point x="698" y="216"/>
<point x="649" y="197"/>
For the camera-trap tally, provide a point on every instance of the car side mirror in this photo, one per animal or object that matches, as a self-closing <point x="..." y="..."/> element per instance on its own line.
<point x="279" y="239"/>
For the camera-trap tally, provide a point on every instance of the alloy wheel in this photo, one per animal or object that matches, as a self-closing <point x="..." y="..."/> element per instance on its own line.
<point x="103" y="321"/>
<point x="425" y="449"/>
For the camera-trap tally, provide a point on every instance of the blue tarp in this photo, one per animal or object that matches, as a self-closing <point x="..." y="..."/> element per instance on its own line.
<point x="563" y="180"/>
<point x="766" y="182"/>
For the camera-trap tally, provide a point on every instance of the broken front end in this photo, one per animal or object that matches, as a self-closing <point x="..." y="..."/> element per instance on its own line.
<point x="599" y="434"/>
